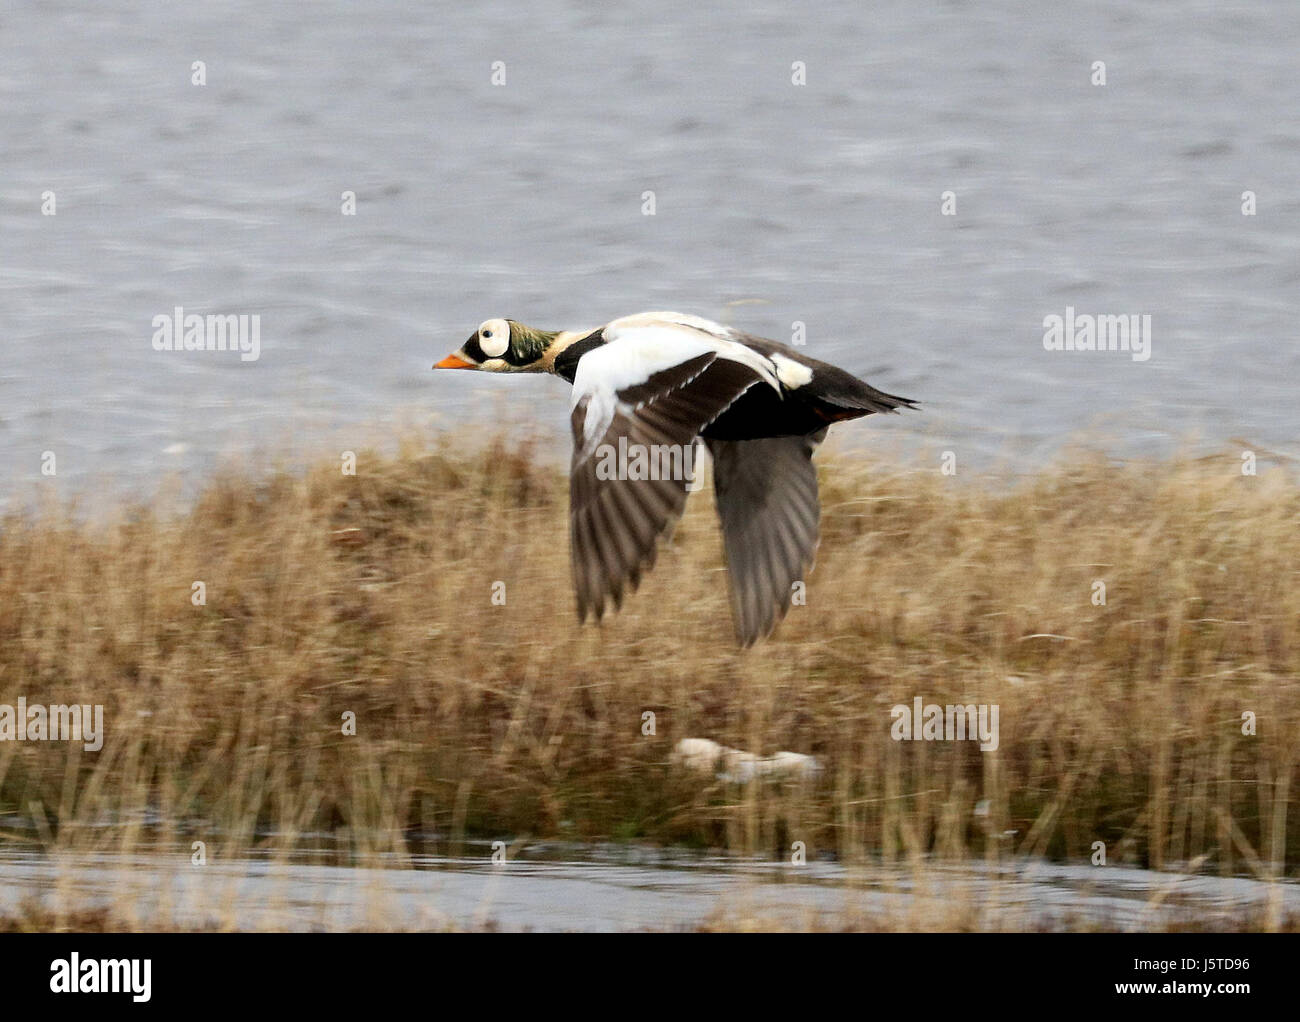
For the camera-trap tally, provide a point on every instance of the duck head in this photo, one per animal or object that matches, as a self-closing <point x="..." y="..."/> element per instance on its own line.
<point x="502" y="346"/>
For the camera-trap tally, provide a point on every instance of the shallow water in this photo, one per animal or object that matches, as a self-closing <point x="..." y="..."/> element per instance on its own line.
<point x="817" y="203"/>
<point x="604" y="888"/>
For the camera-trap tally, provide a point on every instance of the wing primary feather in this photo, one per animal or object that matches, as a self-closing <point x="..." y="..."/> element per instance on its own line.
<point x="617" y="524"/>
<point x="767" y="502"/>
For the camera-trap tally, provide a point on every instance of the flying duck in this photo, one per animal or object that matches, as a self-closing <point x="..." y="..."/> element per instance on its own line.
<point x="658" y="382"/>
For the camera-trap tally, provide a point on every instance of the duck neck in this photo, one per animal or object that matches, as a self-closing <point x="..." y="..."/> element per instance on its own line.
<point x="531" y="344"/>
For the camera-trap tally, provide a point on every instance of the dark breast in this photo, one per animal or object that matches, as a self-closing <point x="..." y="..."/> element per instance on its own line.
<point x="566" y="362"/>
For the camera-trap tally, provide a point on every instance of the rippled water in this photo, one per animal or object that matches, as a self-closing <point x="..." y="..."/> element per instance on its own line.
<point x="819" y="202"/>
<point x="565" y="887"/>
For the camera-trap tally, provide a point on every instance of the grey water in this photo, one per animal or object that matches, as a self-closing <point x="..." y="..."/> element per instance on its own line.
<point x="775" y="203"/>
<point x="610" y="888"/>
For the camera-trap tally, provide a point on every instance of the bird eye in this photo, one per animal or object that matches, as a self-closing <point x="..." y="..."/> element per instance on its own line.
<point x="494" y="337"/>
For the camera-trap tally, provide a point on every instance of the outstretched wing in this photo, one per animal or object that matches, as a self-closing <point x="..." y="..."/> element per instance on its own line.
<point x="656" y="387"/>
<point x="767" y="499"/>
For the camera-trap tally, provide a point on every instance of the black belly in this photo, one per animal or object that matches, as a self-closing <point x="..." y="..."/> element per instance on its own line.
<point x="761" y="412"/>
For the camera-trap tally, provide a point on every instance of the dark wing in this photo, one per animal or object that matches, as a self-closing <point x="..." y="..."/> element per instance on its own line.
<point x="834" y="386"/>
<point x="767" y="500"/>
<point x="615" y="524"/>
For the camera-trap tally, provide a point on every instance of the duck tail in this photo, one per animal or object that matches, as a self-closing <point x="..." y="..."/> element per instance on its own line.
<point x="857" y="397"/>
<point x="873" y="400"/>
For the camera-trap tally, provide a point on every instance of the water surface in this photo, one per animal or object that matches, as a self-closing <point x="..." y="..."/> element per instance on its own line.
<point x="606" y="888"/>
<point x="818" y="204"/>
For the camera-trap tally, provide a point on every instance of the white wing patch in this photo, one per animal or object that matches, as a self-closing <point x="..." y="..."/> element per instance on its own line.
<point x="685" y="319"/>
<point x="666" y="343"/>
<point x="791" y="373"/>
<point x="636" y="348"/>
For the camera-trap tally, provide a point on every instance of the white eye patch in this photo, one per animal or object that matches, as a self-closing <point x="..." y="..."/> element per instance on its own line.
<point x="494" y="337"/>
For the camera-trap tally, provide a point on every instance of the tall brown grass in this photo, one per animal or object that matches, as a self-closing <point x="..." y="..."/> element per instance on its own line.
<point x="371" y="594"/>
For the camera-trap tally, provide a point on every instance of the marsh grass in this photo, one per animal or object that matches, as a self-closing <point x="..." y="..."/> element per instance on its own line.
<point x="371" y="594"/>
